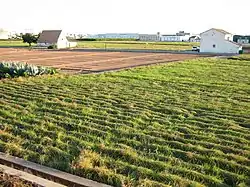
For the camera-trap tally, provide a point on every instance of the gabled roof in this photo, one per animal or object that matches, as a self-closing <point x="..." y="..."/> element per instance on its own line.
<point x="222" y="31"/>
<point x="192" y="37"/>
<point x="218" y="30"/>
<point x="49" y="36"/>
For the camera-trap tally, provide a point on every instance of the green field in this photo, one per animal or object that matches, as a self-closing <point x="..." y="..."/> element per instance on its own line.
<point x="13" y="43"/>
<point x="137" y="45"/>
<point x="180" y="124"/>
<point x="116" y="45"/>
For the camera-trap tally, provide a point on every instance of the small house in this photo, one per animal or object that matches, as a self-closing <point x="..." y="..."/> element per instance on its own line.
<point x="195" y="38"/>
<point x="218" y="41"/>
<point x="54" y="37"/>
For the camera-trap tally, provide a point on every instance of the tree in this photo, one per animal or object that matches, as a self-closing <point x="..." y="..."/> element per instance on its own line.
<point x="29" y="38"/>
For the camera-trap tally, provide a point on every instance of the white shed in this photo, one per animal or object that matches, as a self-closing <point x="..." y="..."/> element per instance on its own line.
<point x="54" y="37"/>
<point x="218" y="41"/>
<point x="195" y="38"/>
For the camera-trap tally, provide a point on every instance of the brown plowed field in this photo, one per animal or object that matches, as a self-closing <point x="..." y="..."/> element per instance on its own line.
<point x="89" y="61"/>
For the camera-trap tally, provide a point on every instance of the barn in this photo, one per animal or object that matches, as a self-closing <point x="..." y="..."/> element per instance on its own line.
<point x="54" y="37"/>
<point x="218" y="41"/>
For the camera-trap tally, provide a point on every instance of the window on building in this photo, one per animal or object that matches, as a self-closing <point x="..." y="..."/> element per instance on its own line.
<point x="214" y="46"/>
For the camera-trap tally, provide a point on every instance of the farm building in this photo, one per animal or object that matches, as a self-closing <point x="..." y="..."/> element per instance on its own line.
<point x="54" y="37"/>
<point x="174" y="38"/>
<point x="241" y="39"/>
<point x="218" y="41"/>
<point x="149" y="37"/>
<point x="4" y="35"/>
<point x="195" y="38"/>
<point x="170" y="38"/>
<point x="182" y="33"/>
<point x="178" y="37"/>
<point x="116" y="36"/>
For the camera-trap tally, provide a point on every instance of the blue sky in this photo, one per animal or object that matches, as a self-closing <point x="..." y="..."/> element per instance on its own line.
<point x="140" y="16"/>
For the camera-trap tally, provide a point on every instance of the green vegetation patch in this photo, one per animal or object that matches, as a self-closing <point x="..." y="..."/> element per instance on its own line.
<point x="180" y="124"/>
<point x="13" y="43"/>
<point x="17" y="69"/>
<point x="136" y="45"/>
<point x="243" y="57"/>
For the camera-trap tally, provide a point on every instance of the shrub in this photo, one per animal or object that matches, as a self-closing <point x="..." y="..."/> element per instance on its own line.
<point x="52" y="47"/>
<point x="17" y="69"/>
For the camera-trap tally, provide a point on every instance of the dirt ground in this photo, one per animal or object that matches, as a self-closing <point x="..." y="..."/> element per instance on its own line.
<point x="89" y="61"/>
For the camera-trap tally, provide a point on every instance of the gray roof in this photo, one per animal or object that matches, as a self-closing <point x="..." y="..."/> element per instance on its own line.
<point x="49" y="36"/>
<point x="219" y="30"/>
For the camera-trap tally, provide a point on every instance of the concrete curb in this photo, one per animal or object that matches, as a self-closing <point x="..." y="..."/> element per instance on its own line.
<point x="48" y="173"/>
<point x="29" y="177"/>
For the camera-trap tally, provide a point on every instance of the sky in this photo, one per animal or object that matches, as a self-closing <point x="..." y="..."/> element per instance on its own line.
<point x="125" y="16"/>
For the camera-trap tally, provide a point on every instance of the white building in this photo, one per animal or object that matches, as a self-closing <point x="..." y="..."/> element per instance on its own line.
<point x="54" y="37"/>
<point x="178" y="37"/>
<point x="170" y="38"/>
<point x="174" y="38"/>
<point x="243" y="39"/>
<point x="195" y="38"/>
<point x="218" y="41"/>
<point x="4" y="35"/>
<point x="116" y="36"/>
<point x="149" y="37"/>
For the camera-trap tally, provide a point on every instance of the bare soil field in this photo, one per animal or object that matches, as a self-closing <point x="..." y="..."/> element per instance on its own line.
<point x="89" y="61"/>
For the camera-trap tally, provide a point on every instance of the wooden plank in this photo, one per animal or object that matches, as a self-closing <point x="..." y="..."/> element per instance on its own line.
<point x="29" y="177"/>
<point x="48" y="173"/>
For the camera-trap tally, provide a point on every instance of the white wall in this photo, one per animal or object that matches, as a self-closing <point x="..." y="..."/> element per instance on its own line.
<point x="149" y="37"/>
<point x="4" y="35"/>
<point x="72" y="44"/>
<point x="229" y="37"/>
<point x="62" y="41"/>
<point x="116" y="36"/>
<point x="215" y="42"/>
<point x="171" y="38"/>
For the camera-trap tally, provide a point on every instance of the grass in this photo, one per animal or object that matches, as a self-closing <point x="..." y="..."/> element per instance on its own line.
<point x="13" y="43"/>
<point x="137" y="45"/>
<point x="116" y="45"/>
<point x="243" y="57"/>
<point x="180" y="124"/>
